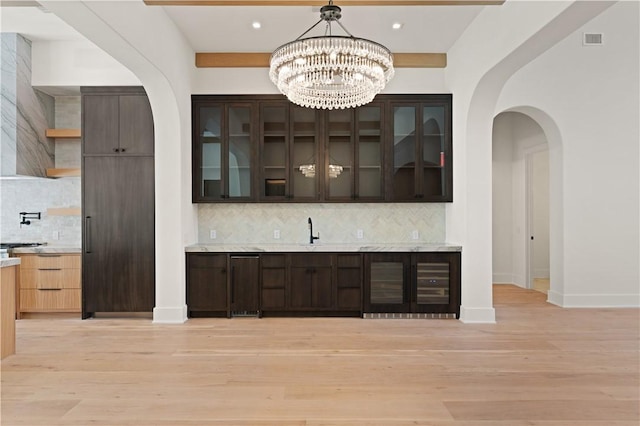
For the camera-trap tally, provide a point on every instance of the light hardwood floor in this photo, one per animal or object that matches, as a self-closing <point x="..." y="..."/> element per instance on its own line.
<point x="541" y="284"/>
<point x="539" y="365"/>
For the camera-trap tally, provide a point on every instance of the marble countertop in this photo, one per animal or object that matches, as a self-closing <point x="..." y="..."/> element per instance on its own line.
<point x="9" y="261"/>
<point x="336" y="248"/>
<point x="47" y="249"/>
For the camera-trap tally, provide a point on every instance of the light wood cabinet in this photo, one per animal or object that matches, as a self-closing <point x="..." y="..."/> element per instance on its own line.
<point x="49" y="283"/>
<point x="8" y="310"/>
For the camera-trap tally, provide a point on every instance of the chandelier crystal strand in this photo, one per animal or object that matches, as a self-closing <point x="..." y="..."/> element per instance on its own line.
<point x="331" y="72"/>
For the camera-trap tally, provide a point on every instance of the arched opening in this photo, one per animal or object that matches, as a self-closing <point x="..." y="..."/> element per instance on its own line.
<point x="526" y="166"/>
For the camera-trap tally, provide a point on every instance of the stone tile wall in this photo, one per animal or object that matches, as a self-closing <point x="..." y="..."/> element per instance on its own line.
<point x="337" y="223"/>
<point x="26" y="113"/>
<point x="37" y="195"/>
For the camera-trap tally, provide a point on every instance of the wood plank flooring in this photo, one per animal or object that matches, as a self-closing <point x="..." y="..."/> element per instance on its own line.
<point x="539" y="365"/>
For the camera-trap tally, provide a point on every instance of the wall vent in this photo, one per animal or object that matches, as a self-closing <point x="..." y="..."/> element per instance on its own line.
<point x="592" y="39"/>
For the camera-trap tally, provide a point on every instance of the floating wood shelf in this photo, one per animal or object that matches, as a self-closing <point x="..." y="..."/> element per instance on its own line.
<point x="63" y="211"/>
<point x="55" y="173"/>
<point x="62" y="133"/>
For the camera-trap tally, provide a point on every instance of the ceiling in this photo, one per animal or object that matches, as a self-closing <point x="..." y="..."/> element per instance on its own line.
<point x="425" y="29"/>
<point x="428" y="29"/>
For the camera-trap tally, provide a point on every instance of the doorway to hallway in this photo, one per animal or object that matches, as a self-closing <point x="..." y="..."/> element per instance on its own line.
<point x="520" y="202"/>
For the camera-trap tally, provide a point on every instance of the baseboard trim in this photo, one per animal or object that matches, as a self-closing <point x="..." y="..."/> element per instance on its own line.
<point x="177" y="315"/>
<point x="554" y="298"/>
<point x="502" y="278"/>
<point x="594" y="300"/>
<point x="477" y="315"/>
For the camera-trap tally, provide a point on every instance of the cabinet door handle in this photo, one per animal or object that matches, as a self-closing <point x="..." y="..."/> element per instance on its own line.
<point x="116" y="150"/>
<point x="233" y="284"/>
<point x="87" y="234"/>
<point x="123" y="149"/>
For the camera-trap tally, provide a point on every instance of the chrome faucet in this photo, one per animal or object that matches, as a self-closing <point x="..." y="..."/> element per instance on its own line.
<point x="311" y="237"/>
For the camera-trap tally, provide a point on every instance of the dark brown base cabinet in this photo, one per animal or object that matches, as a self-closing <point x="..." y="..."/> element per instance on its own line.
<point x="207" y="293"/>
<point x="278" y="284"/>
<point x="412" y="283"/>
<point x="322" y="284"/>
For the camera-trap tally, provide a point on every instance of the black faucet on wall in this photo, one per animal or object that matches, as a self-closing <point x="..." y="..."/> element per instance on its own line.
<point x="24" y="216"/>
<point x="311" y="237"/>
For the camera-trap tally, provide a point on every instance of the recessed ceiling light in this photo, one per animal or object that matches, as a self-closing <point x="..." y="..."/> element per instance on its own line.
<point x="396" y="25"/>
<point x="256" y="25"/>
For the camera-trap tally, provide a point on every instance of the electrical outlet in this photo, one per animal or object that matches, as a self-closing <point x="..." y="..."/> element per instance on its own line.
<point x="213" y="234"/>
<point x="359" y="234"/>
<point x="415" y="234"/>
<point x="56" y="235"/>
<point x="276" y="234"/>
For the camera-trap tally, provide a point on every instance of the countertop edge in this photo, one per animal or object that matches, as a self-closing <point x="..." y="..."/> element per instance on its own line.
<point x="304" y="248"/>
<point x="46" y="249"/>
<point x="9" y="261"/>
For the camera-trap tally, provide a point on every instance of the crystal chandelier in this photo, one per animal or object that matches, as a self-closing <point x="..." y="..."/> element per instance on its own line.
<point x="331" y="71"/>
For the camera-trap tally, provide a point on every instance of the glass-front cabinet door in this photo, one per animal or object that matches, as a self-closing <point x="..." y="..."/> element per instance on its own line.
<point x="274" y="136"/>
<point x="427" y="282"/>
<point x="369" y="153"/>
<point x="306" y="167"/>
<point x="354" y="154"/>
<point x="339" y="154"/>
<point x="421" y="150"/>
<point x="224" y="153"/>
<point x="433" y="282"/>
<point x="434" y="151"/>
<point x="240" y="153"/>
<point x="404" y="151"/>
<point x="209" y="145"/>
<point x="387" y="288"/>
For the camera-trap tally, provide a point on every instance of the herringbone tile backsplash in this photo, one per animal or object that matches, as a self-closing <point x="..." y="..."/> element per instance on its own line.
<point x="337" y="223"/>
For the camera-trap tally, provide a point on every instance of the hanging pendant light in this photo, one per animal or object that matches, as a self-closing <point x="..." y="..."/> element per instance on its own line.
<point x="330" y="71"/>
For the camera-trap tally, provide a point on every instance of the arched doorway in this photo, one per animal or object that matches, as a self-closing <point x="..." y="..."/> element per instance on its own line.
<point x="525" y="151"/>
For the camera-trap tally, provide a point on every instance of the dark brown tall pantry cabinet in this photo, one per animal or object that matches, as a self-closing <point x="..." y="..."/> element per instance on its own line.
<point x="118" y="229"/>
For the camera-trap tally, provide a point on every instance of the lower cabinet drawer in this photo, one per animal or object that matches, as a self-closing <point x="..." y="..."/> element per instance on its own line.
<point x="62" y="300"/>
<point x="50" y="278"/>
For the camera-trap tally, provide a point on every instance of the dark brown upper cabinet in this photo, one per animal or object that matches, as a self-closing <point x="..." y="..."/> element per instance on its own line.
<point x="224" y="151"/>
<point x="263" y="148"/>
<point x="354" y="154"/>
<point x="419" y="149"/>
<point x="125" y="127"/>
<point x="289" y="153"/>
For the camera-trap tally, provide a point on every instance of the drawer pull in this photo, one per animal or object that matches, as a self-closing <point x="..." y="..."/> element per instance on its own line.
<point x="49" y="255"/>
<point x="49" y="269"/>
<point x="50" y="289"/>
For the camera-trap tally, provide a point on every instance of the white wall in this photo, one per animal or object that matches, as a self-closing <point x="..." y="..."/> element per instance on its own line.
<point x="591" y="93"/>
<point x="239" y="81"/>
<point x="502" y="207"/>
<point x="496" y="44"/>
<point x="76" y="63"/>
<point x="540" y="211"/>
